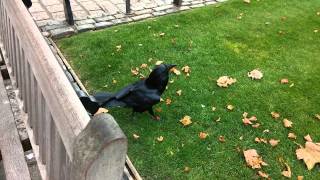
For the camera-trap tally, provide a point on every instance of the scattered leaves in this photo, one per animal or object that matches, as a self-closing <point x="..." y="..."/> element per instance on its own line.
<point x="255" y="74"/>
<point x="186" y="120"/>
<point x="221" y="139"/>
<point x="310" y="154"/>
<point x="287" y="123"/>
<point x="274" y="142"/>
<point x="287" y="171"/>
<point x="308" y="138"/>
<point x="246" y="120"/>
<point x="179" y="92"/>
<point x="230" y="107"/>
<point x="275" y="115"/>
<point x="186" y="70"/>
<point x="175" y="71"/>
<point x="135" y="136"/>
<point x="118" y="48"/>
<point x="284" y="81"/>
<point x="317" y="116"/>
<point x="203" y="135"/>
<point x="160" y="138"/>
<point x="168" y="101"/>
<point x="263" y="174"/>
<point x="225" y="81"/>
<point x="253" y="159"/>
<point x="143" y="66"/>
<point x="135" y="71"/>
<point x="292" y="136"/>
<point x="260" y="140"/>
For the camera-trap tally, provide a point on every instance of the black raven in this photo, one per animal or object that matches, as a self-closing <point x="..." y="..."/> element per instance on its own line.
<point x="140" y="96"/>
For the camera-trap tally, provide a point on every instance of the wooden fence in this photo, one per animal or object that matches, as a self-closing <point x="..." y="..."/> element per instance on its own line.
<point x="66" y="142"/>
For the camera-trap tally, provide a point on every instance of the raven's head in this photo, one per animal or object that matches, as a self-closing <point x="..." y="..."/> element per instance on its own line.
<point x="159" y="77"/>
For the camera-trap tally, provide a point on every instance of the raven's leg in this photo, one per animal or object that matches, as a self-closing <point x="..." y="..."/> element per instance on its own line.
<point x="150" y="110"/>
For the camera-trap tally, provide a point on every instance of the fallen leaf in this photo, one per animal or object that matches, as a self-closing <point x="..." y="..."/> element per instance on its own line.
<point x="135" y="71"/>
<point x="161" y="100"/>
<point x="287" y="171"/>
<point x="162" y="34"/>
<point x="218" y="120"/>
<point x="292" y="136"/>
<point x="316" y="30"/>
<point x="246" y="120"/>
<point x="171" y="81"/>
<point x="186" y="70"/>
<point x="114" y="81"/>
<point x="179" y="92"/>
<point x="135" y="136"/>
<point x="260" y="140"/>
<point x="118" y="48"/>
<point x="300" y="178"/>
<point x="310" y="154"/>
<point x="275" y="115"/>
<point x="253" y="159"/>
<point x="230" y="107"/>
<point x="187" y="169"/>
<point x="241" y="138"/>
<point x="287" y="123"/>
<point x="308" y="138"/>
<point x="203" y="135"/>
<point x="159" y="62"/>
<point x="140" y="44"/>
<point x="160" y="138"/>
<point x="274" y="142"/>
<point x="101" y="110"/>
<point x="317" y="116"/>
<point x="247" y="1"/>
<point x="266" y="131"/>
<point x="263" y="174"/>
<point x="213" y="108"/>
<point x="225" y="81"/>
<point x="143" y="66"/>
<point x="186" y="120"/>
<point x="175" y="71"/>
<point x="255" y="74"/>
<point x="221" y="139"/>
<point x="255" y="125"/>
<point x="168" y="101"/>
<point x="284" y="81"/>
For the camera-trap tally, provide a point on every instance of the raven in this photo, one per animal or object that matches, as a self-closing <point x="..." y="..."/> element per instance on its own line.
<point x="140" y="96"/>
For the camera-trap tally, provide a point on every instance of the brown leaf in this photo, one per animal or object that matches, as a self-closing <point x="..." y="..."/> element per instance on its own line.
<point x="308" y="138"/>
<point x="255" y="74"/>
<point x="260" y="140"/>
<point x="168" y="101"/>
<point x="203" y="135"/>
<point x="160" y="138"/>
<point x="135" y="71"/>
<point x="135" y="136"/>
<point x="253" y="159"/>
<point x="287" y="123"/>
<point x="144" y="66"/>
<point x="225" y="81"/>
<point x="179" y="92"/>
<point x="273" y="142"/>
<point x="263" y="174"/>
<point x="287" y="172"/>
<point x="175" y="71"/>
<point x="101" y="110"/>
<point x="275" y="115"/>
<point x="310" y="154"/>
<point x="246" y="120"/>
<point x="300" y="178"/>
<point x="292" y="136"/>
<point x="284" y="81"/>
<point x="186" y="120"/>
<point x="186" y="70"/>
<point x="221" y="139"/>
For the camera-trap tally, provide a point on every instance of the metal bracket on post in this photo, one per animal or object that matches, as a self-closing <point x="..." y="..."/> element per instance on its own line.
<point x="68" y="12"/>
<point x="177" y="2"/>
<point x="128" y="8"/>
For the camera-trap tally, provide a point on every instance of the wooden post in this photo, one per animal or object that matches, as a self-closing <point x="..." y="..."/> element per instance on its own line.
<point x="68" y="12"/>
<point x="177" y="2"/>
<point x="128" y="8"/>
<point x="99" y="151"/>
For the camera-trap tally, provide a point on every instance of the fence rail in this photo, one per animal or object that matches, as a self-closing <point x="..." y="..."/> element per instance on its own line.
<point x="66" y="142"/>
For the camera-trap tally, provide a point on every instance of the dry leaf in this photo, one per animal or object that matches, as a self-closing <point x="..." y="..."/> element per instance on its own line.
<point x="187" y="169"/>
<point x="160" y="138"/>
<point x="213" y="108"/>
<point x="246" y="120"/>
<point x="175" y="71"/>
<point x="300" y="178"/>
<point x="287" y="123"/>
<point x="135" y="136"/>
<point x="255" y="74"/>
<point x="179" y="92"/>
<point x="162" y="34"/>
<point x="308" y="138"/>
<point x="284" y="81"/>
<point x="118" y="48"/>
<point x="287" y="172"/>
<point x="225" y="81"/>
<point x="218" y="120"/>
<point x="221" y="139"/>
<point x="168" y="101"/>
<point x="255" y="125"/>
<point x="247" y="1"/>
<point x="266" y="131"/>
<point x="135" y="71"/>
<point x="274" y="142"/>
<point x="292" y="136"/>
<point x="203" y="135"/>
<point x="114" y="81"/>
<point x="263" y="174"/>
<point x="317" y="116"/>
<point x="101" y="110"/>
<point x="310" y="154"/>
<point x="186" y="70"/>
<point x="159" y="62"/>
<point x="230" y="107"/>
<point x="275" y="115"/>
<point x="260" y="140"/>
<point x="186" y="120"/>
<point x="143" y="66"/>
<point x="253" y="159"/>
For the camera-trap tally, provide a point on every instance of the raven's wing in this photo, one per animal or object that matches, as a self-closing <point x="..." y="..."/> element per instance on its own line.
<point x="126" y="91"/>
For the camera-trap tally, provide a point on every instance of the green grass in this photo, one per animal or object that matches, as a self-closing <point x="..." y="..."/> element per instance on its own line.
<point x="221" y="44"/>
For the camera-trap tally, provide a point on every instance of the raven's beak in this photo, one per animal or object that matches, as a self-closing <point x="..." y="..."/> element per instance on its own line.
<point x="170" y="66"/>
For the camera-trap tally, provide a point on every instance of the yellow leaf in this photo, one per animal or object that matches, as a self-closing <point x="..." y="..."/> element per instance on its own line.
<point x="213" y="108"/>
<point x="179" y="92"/>
<point x="168" y="101"/>
<point x="255" y="74"/>
<point x="225" y="81"/>
<point x="287" y="123"/>
<point x="255" y="125"/>
<point x="114" y="81"/>
<point x="186" y="120"/>
<point x="300" y="178"/>
<point x="160" y="138"/>
<point x="275" y="115"/>
<point x="308" y="138"/>
<point x="101" y="110"/>
<point x="292" y="136"/>
<point x="273" y="142"/>
<point x="310" y="154"/>
<point x="203" y="135"/>
<point x="253" y="159"/>
<point x="135" y="136"/>
<point x="230" y="107"/>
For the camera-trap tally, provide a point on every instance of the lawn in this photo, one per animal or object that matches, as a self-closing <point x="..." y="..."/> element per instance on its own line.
<point x="233" y="38"/>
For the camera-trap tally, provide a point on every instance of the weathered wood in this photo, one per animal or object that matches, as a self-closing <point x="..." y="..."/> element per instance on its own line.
<point x="56" y="160"/>
<point x="40" y="127"/>
<point x="99" y="150"/>
<point x="49" y="141"/>
<point x="11" y="149"/>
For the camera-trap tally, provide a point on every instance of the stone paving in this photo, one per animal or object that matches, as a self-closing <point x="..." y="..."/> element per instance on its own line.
<point x="98" y="14"/>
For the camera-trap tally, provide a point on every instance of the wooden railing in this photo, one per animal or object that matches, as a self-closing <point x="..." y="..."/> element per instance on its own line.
<point x="66" y="142"/>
